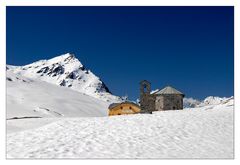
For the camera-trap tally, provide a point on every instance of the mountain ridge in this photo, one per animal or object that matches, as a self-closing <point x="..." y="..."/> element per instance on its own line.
<point x="67" y="71"/>
<point x="210" y="100"/>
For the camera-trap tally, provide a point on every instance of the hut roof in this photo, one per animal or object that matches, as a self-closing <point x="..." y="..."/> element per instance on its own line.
<point x="126" y="102"/>
<point x="168" y="90"/>
<point x="113" y="105"/>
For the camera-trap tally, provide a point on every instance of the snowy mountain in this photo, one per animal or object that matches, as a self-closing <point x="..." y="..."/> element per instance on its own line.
<point x="210" y="100"/>
<point x="190" y="103"/>
<point x="66" y="71"/>
<point x="31" y="98"/>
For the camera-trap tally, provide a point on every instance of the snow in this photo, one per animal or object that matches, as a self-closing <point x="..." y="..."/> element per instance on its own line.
<point x="66" y="70"/>
<point x="210" y="100"/>
<point x="154" y="91"/>
<point x="32" y="98"/>
<point x="47" y="118"/>
<point x="200" y="133"/>
<point x="17" y="125"/>
<point x="190" y="103"/>
<point x="213" y="100"/>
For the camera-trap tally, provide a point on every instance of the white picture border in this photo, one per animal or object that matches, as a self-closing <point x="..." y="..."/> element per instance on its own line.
<point x="4" y="3"/>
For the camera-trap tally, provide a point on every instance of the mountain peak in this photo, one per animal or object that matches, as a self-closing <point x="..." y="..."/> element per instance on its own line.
<point x="65" y="59"/>
<point x="67" y="71"/>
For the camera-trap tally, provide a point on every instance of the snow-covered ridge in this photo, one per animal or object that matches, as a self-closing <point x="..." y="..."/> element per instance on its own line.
<point x="210" y="100"/>
<point x="67" y="71"/>
<point x="31" y="98"/>
<point x="190" y="103"/>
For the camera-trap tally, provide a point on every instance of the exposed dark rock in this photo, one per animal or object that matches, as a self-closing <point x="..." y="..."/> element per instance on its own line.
<point x="71" y="75"/>
<point x="63" y="83"/>
<point x="9" y="79"/>
<point x="103" y="86"/>
<point x="58" y="70"/>
<point x="68" y="59"/>
<point x="82" y="68"/>
<point x="43" y="70"/>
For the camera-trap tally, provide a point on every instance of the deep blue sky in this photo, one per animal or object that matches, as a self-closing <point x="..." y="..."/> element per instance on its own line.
<point x="189" y="48"/>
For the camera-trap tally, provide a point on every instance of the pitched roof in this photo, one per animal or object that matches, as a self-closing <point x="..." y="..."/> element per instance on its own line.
<point x="169" y="90"/>
<point x="113" y="105"/>
<point x="126" y="102"/>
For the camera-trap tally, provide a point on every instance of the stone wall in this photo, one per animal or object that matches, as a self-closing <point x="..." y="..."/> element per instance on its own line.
<point x="169" y="102"/>
<point x="147" y="103"/>
<point x="159" y="104"/>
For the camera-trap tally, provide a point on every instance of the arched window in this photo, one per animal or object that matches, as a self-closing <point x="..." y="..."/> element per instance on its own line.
<point x="121" y="107"/>
<point x="130" y="107"/>
<point x="144" y="88"/>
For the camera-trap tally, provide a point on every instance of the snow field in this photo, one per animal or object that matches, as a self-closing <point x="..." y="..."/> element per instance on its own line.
<point x="42" y="99"/>
<point x="170" y="134"/>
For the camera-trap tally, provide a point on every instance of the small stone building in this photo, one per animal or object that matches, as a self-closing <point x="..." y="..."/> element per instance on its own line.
<point x="123" y="108"/>
<point x="166" y="99"/>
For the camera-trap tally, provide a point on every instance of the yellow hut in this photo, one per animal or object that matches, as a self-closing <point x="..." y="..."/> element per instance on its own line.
<point x="123" y="108"/>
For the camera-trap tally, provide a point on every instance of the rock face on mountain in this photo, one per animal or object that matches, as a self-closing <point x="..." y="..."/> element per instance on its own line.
<point x="66" y="71"/>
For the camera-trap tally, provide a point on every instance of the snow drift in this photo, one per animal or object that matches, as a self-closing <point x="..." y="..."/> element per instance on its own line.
<point x="202" y="133"/>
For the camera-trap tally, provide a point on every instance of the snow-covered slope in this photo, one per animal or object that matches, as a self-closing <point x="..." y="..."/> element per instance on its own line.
<point x="33" y="98"/>
<point x="211" y="100"/>
<point x="190" y="103"/>
<point x="67" y="71"/>
<point x="200" y="133"/>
